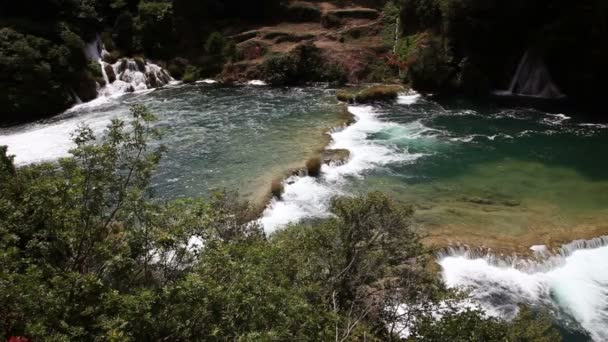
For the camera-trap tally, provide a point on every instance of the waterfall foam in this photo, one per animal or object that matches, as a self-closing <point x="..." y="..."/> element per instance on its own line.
<point x="573" y="280"/>
<point x="307" y="197"/>
<point x="127" y="74"/>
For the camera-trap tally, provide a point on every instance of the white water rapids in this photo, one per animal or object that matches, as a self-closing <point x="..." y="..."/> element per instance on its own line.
<point x="574" y="284"/>
<point x="308" y="197"/>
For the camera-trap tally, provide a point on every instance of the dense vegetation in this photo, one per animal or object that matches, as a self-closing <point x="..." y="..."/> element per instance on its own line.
<point x="43" y="65"/>
<point x="88" y="255"/>
<point x="474" y="45"/>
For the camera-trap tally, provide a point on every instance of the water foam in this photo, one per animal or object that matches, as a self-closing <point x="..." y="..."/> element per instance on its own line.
<point x="408" y="98"/>
<point x="574" y="282"/>
<point x="47" y="141"/>
<point x="257" y="83"/>
<point x="307" y="197"/>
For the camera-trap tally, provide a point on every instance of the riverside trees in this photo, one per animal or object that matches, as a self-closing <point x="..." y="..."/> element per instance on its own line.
<point x="88" y="255"/>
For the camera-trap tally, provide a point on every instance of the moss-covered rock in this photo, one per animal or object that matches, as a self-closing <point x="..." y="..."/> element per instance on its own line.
<point x="141" y="63"/>
<point x="110" y="73"/>
<point x="370" y="94"/>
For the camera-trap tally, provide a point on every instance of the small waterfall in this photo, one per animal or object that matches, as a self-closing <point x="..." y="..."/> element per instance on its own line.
<point x="127" y="74"/>
<point x="543" y="258"/>
<point x="532" y="79"/>
<point x="572" y="281"/>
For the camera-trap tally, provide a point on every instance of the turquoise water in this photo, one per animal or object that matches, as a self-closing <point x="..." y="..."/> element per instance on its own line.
<point x="505" y="179"/>
<point x="237" y="138"/>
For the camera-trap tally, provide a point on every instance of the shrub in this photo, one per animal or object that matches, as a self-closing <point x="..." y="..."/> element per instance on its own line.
<point x="191" y="75"/>
<point x="177" y="67"/>
<point x="303" y="12"/>
<point x="370" y="94"/>
<point x="303" y="64"/>
<point x="378" y="93"/>
<point x="124" y="29"/>
<point x="214" y="45"/>
<point x="277" y="188"/>
<point x="95" y="70"/>
<point x="313" y="167"/>
<point x="429" y="66"/>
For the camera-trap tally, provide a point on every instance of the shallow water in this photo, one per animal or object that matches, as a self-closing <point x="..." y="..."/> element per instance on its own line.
<point x="237" y="138"/>
<point x="503" y="179"/>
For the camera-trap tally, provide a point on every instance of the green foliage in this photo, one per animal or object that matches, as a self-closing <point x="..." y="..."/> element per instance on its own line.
<point x="123" y="32"/>
<point x="303" y="12"/>
<point x="463" y="325"/>
<point x="429" y="64"/>
<point x="35" y="75"/>
<point x="215" y="44"/>
<point x="95" y="70"/>
<point x="155" y="25"/>
<point x="191" y="74"/>
<point x="88" y="255"/>
<point x="370" y="94"/>
<point x="304" y="64"/>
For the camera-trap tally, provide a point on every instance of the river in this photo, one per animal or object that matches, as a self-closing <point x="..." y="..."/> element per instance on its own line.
<point x="479" y="175"/>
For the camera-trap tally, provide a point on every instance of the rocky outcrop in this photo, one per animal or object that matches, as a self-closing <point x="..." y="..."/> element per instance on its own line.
<point x="370" y="94"/>
<point x="124" y="75"/>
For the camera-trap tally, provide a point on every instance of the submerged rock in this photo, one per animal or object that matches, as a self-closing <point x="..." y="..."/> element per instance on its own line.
<point x="370" y="94"/>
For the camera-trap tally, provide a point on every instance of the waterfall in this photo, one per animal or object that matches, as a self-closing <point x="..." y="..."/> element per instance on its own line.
<point x="572" y="281"/>
<point x="126" y="74"/>
<point x="532" y="79"/>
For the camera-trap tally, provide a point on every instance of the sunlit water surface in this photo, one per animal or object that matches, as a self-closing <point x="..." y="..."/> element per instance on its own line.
<point x="503" y="178"/>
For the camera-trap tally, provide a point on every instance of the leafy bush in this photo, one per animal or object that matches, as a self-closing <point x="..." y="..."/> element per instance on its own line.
<point x="303" y="12"/>
<point x="36" y="76"/>
<point x="215" y="43"/>
<point x="89" y="255"/>
<point x="177" y="67"/>
<point x="191" y="74"/>
<point x="123" y="32"/>
<point x="155" y="25"/>
<point x="304" y="64"/>
<point x="95" y="70"/>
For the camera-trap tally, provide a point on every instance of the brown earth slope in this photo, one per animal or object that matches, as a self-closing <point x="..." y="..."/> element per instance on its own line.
<point x="347" y="33"/>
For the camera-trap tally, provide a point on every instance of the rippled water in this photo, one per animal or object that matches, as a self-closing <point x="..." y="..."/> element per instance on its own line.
<point x="502" y="178"/>
<point x="237" y="137"/>
<point x="505" y="179"/>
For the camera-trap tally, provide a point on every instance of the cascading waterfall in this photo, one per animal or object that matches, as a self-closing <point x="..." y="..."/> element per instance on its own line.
<point x="532" y="79"/>
<point x="127" y="74"/>
<point x="571" y="280"/>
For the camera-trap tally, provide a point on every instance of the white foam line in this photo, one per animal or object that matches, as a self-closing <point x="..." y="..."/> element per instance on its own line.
<point x="307" y="197"/>
<point x="578" y="285"/>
